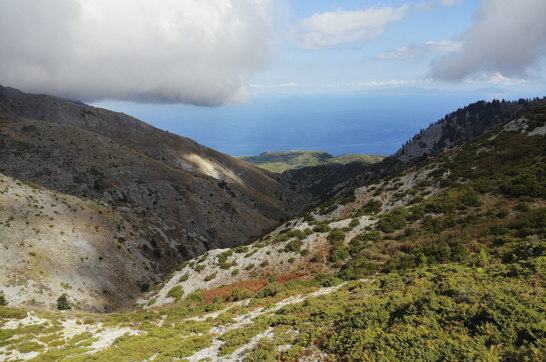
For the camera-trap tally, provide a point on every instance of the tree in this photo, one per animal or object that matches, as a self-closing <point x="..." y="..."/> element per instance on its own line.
<point x="63" y="303"/>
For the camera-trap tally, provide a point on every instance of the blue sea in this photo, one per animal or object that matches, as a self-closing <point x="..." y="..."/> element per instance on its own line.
<point x="337" y="123"/>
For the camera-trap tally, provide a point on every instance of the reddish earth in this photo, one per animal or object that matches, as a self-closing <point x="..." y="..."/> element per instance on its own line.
<point x="254" y="285"/>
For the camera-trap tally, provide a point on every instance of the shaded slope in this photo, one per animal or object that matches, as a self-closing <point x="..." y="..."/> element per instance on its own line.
<point x="101" y="154"/>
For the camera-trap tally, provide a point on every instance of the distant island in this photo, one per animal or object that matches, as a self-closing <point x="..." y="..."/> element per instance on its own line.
<point x="282" y="161"/>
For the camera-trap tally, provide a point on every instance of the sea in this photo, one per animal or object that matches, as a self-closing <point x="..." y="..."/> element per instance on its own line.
<point x="340" y="123"/>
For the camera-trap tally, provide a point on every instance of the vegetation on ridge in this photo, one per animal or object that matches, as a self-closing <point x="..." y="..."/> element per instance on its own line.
<point x="281" y="161"/>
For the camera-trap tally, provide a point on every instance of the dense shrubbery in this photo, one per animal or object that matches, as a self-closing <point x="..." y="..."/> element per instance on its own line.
<point x="461" y="315"/>
<point x="523" y="184"/>
<point x="338" y="252"/>
<point x="441" y="313"/>
<point x="393" y="220"/>
<point x="322" y="228"/>
<point x="371" y="208"/>
<point x="336" y="235"/>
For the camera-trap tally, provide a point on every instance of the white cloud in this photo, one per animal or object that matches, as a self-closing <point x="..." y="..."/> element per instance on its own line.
<point x="288" y="85"/>
<point x="421" y="50"/>
<point x="381" y="83"/>
<point x="323" y="30"/>
<point x="495" y="78"/>
<point x="430" y="5"/>
<point x="167" y="51"/>
<point x="508" y="38"/>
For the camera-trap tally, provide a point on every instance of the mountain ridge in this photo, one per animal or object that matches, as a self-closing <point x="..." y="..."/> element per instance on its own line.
<point x="281" y="161"/>
<point x="317" y="184"/>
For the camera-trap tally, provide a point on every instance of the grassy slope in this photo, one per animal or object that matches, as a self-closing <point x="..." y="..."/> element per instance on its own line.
<point x="454" y="250"/>
<point x="282" y="161"/>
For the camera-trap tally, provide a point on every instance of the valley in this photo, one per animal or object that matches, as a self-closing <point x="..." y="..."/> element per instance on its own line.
<point x="436" y="252"/>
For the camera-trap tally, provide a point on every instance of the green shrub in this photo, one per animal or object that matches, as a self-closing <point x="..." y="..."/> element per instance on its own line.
<point x="357" y="268"/>
<point x="469" y="197"/>
<point x="393" y="220"/>
<point x="217" y="303"/>
<point x="372" y="207"/>
<point x="373" y="235"/>
<point x="240" y="294"/>
<point x="223" y="257"/>
<point x="210" y="277"/>
<point x="354" y="223"/>
<point x="293" y="246"/>
<point x="184" y="277"/>
<point x="524" y="184"/>
<point x="441" y="204"/>
<point x="338" y="252"/>
<point x="6" y="334"/>
<point x="296" y="233"/>
<point x="175" y="292"/>
<point x="322" y="228"/>
<point x="335" y="236"/>
<point x="433" y="225"/>
<point x="270" y="290"/>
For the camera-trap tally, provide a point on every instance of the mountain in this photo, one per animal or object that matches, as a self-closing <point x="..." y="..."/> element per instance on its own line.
<point x="282" y="161"/>
<point x="202" y="199"/>
<point x="318" y="184"/>
<point x="96" y="153"/>
<point x="442" y="259"/>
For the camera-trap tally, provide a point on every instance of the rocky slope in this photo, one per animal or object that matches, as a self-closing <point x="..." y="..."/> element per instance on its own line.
<point x="81" y="150"/>
<point x="101" y="253"/>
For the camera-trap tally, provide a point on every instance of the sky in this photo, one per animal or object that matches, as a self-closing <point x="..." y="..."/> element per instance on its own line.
<point x="231" y="73"/>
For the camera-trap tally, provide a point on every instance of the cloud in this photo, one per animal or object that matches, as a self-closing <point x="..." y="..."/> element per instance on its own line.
<point x="421" y="50"/>
<point x="169" y="51"/>
<point x="495" y="78"/>
<point x="508" y="37"/>
<point x="323" y="30"/>
<point x="288" y="85"/>
<point x="383" y="83"/>
<point x="430" y="5"/>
